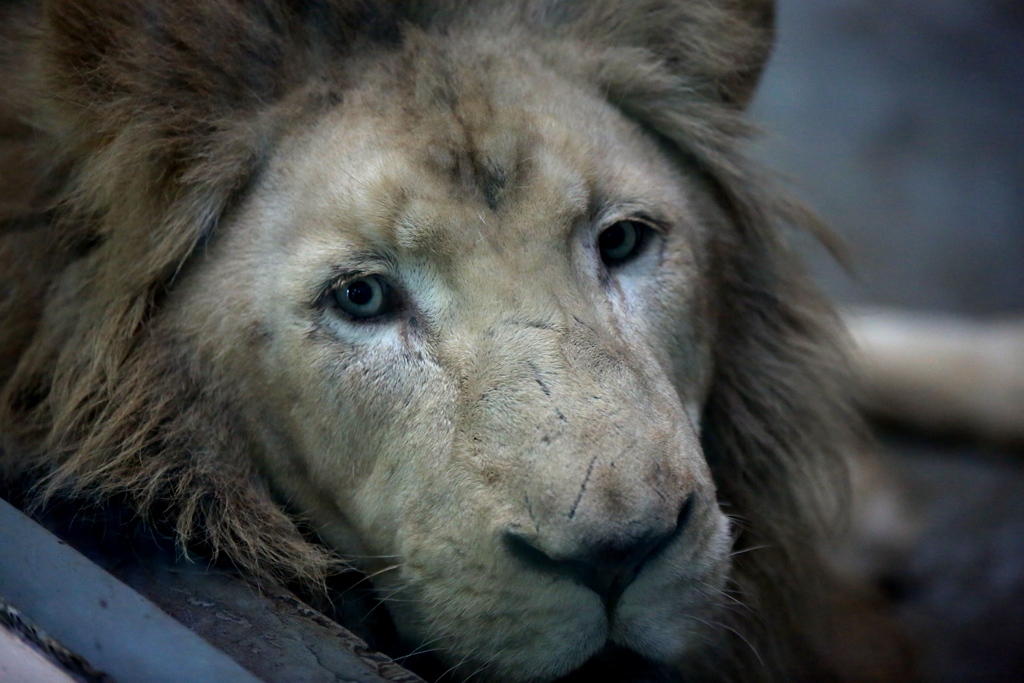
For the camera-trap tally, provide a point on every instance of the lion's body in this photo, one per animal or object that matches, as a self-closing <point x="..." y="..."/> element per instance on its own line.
<point x="536" y="437"/>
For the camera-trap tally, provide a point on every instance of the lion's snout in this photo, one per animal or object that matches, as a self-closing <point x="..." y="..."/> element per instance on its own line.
<point x="605" y="559"/>
<point x="612" y="472"/>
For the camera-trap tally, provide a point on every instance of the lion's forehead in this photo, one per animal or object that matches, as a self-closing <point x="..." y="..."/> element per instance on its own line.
<point x="520" y="159"/>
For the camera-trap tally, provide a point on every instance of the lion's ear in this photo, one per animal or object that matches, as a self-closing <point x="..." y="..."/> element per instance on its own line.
<point x="720" y="46"/>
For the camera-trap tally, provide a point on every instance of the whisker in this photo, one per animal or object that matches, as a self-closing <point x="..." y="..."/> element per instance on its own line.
<point x="385" y="570"/>
<point x="369" y="577"/>
<point x="480" y="670"/>
<point x="371" y="557"/>
<point x="725" y="595"/>
<point x="460" y="663"/>
<point x="467" y="656"/>
<point x="388" y="598"/>
<point x="414" y="653"/>
<point x="735" y="633"/>
<point x="428" y="639"/>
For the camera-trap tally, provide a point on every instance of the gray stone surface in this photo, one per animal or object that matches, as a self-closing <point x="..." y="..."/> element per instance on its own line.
<point x="264" y="628"/>
<point x="114" y="629"/>
<point x="224" y="629"/>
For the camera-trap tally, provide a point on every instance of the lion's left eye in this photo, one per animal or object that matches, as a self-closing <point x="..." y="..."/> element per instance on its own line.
<point x="364" y="297"/>
<point x="621" y="242"/>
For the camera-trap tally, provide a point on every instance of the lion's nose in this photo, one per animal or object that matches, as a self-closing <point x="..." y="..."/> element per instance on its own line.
<point x="607" y="563"/>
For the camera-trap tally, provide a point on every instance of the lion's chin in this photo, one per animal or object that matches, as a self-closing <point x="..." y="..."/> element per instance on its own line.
<point x="587" y="649"/>
<point x="608" y="662"/>
<point x="617" y="663"/>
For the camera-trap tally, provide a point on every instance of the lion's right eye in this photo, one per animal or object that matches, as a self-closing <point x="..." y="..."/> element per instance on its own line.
<point x="364" y="297"/>
<point x="621" y="242"/>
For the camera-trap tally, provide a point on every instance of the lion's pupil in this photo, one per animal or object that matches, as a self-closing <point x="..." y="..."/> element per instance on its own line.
<point x="612" y="238"/>
<point x="360" y="293"/>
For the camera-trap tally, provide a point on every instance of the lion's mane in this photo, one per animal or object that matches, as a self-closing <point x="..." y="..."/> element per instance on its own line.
<point x="129" y="128"/>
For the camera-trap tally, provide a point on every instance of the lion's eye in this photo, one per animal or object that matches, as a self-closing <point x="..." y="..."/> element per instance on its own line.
<point x="364" y="297"/>
<point x="621" y="242"/>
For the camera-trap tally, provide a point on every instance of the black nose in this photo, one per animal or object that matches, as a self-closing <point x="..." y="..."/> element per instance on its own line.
<point x="606" y="564"/>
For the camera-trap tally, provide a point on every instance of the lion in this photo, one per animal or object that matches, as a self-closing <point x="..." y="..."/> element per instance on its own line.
<point x="482" y="299"/>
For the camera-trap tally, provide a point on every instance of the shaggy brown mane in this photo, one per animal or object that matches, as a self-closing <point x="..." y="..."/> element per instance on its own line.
<point x="137" y="125"/>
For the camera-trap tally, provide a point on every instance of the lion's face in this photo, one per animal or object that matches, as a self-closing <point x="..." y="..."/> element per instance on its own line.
<point x="468" y="322"/>
<point x="465" y="284"/>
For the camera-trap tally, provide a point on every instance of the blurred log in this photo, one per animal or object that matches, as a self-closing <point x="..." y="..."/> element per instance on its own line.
<point x="941" y="373"/>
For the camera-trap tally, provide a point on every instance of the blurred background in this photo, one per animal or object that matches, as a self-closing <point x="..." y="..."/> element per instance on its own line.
<point x="902" y="123"/>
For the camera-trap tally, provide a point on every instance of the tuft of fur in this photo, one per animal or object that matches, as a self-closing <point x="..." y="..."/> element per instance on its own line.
<point x="129" y="128"/>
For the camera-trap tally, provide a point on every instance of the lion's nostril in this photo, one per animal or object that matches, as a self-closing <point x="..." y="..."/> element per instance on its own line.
<point x="685" y="513"/>
<point x="607" y="563"/>
<point x="527" y="549"/>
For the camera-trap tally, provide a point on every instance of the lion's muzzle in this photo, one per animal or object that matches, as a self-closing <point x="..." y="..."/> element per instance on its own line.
<point x="606" y="561"/>
<point x="602" y="471"/>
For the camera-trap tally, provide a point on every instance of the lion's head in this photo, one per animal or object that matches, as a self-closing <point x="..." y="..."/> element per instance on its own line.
<point x="482" y="292"/>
